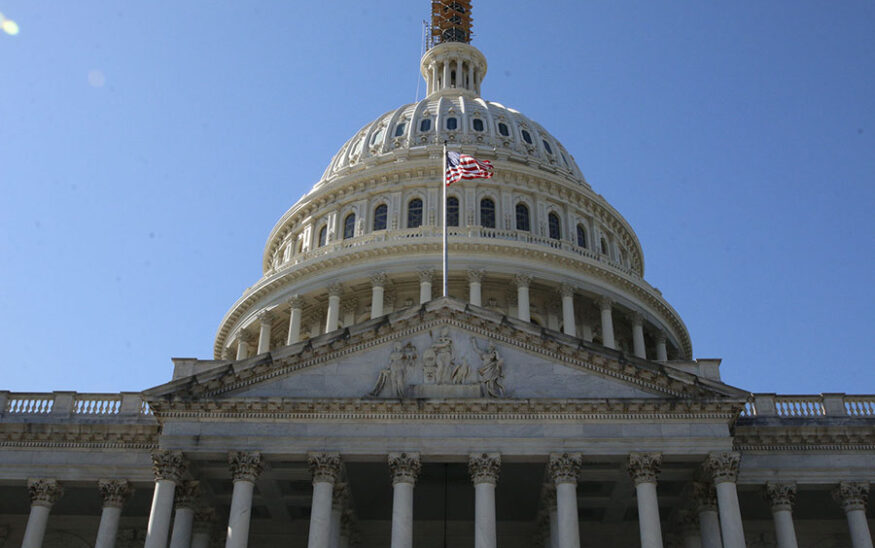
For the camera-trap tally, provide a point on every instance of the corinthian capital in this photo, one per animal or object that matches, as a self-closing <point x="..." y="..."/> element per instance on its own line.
<point x="605" y="303"/>
<point x="168" y="465"/>
<point x="264" y="317"/>
<point x="426" y="275"/>
<point x="781" y="496"/>
<point x="405" y="467"/>
<point x="644" y="467"/>
<point x="704" y="496"/>
<point x="295" y="301"/>
<point x="114" y="493"/>
<point x="852" y="495"/>
<point x="723" y="467"/>
<point x="379" y="279"/>
<point x="187" y="494"/>
<point x="564" y="468"/>
<point x="484" y="467"/>
<point x="522" y="280"/>
<point x="324" y="467"/>
<point x="245" y="466"/>
<point x="566" y="290"/>
<point x="335" y="290"/>
<point x="44" y="492"/>
<point x="476" y="276"/>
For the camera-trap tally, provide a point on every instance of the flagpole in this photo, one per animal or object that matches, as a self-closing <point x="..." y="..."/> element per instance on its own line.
<point x="444" y="192"/>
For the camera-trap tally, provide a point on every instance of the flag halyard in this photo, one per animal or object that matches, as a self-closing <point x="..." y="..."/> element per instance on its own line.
<point x="464" y="166"/>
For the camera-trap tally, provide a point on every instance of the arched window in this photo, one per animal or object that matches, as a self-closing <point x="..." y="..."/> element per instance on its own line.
<point x="414" y="213"/>
<point x="502" y="129"/>
<point x="527" y="137"/>
<point x="349" y="226"/>
<point x="487" y="213"/>
<point x="425" y="124"/>
<point x="399" y="129"/>
<point x="554" y="227"/>
<point x="478" y="124"/>
<point x="581" y="236"/>
<point x="522" y="217"/>
<point x="380" y="217"/>
<point x="323" y="236"/>
<point x="547" y="147"/>
<point x="452" y="123"/>
<point x="452" y="211"/>
<point x="604" y="246"/>
<point x="378" y="136"/>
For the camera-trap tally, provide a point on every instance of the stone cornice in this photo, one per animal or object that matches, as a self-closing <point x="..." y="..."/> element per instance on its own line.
<point x="804" y="438"/>
<point x="572" y="352"/>
<point x="79" y="436"/>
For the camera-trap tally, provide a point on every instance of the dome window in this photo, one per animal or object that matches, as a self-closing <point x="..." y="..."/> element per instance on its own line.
<point x="564" y="159"/>
<point x="414" y="213"/>
<point x="581" y="236"/>
<point x="604" y="246"/>
<point x="478" y="124"/>
<point x="487" y="213"/>
<point x="323" y="236"/>
<point x="452" y="211"/>
<point x="378" y="136"/>
<point x="547" y="147"/>
<point x="399" y="129"/>
<point x="522" y="217"/>
<point x="349" y="226"/>
<point x="502" y="129"/>
<point x="425" y="124"/>
<point x="380" y="217"/>
<point x="554" y="226"/>
<point x="527" y="136"/>
<point x="452" y="123"/>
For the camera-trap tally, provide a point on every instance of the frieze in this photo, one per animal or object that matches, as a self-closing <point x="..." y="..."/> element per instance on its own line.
<point x="793" y="438"/>
<point x="79" y="436"/>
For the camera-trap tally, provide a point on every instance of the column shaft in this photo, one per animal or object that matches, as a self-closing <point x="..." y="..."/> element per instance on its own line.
<point x="661" y="351"/>
<point x="523" y="308"/>
<point x="320" y="515"/>
<point x="569" y="327"/>
<point x="294" y="325"/>
<point x="334" y="535"/>
<point x="484" y="515"/>
<point x="238" y="517"/>
<point x="638" y="338"/>
<point x="264" y="337"/>
<point x="376" y="301"/>
<point x="424" y="291"/>
<point x="108" y="528"/>
<point x="709" y="526"/>
<point x="554" y="527"/>
<point x="200" y="539"/>
<point x="859" y="529"/>
<point x="402" y="515"/>
<point x="648" y="515"/>
<point x="567" y="520"/>
<point x="607" y="324"/>
<point x="242" y="349"/>
<point x="475" y="293"/>
<point x="35" y="530"/>
<point x="159" y="516"/>
<point x="784" y="531"/>
<point x="333" y="313"/>
<point x="182" y="524"/>
<point x="730" y="515"/>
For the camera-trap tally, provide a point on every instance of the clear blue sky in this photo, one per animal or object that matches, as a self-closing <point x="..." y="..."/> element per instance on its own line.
<point x="147" y="148"/>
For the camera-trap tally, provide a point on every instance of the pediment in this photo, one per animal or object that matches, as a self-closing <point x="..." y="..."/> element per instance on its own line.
<point x="443" y="350"/>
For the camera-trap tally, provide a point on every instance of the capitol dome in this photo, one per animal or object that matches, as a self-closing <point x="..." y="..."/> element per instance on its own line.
<point x="534" y="242"/>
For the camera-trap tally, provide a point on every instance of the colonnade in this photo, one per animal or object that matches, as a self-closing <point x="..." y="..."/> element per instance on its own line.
<point x="521" y="282"/>
<point x="714" y="503"/>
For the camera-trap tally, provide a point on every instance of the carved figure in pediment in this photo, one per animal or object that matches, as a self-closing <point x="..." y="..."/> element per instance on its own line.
<point x="491" y="370"/>
<point x="395" y="374"/>
<point x="461" y="372"/>
<point x="444" y="356"/>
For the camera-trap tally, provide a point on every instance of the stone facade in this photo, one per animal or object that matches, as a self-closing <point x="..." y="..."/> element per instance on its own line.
<point x="549" y="399"/>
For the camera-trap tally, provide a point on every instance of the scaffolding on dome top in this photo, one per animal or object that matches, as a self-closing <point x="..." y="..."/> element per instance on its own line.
<point x="451" y="21"/>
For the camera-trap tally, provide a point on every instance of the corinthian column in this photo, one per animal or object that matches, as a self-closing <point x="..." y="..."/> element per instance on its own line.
<point x="265" y="321"/>
<point x="781" y="497"/>
<point x="43" y="494"/>
<point x="168" y="467"/>
<point x="475" y="283"/>
<point x="340" y="497"/>
<point x="243" y="340"/>
<point x="378" y="288"/>
<point x="522" y="282"/>
<point x="333" y="316"/>
<point x="705" y="499"/>
<point x="204" y="519"/>
<point x="605" y="305"/>
<point x="405" y="468"/>
<point x="296" y="305"/>
<point x="723" y="469"/>
<point x="853" y="496"/>
<point x="643" y="468"/>
<point x="186" y="495"/>
<point x="245" y="469"/>
<point x="565" y="469"/>
<point x="638" y="336"/>
<point x="114" y="493"/>
<point x="325" y="468"/>
<point x="484" y="469"/>
<point x="568" y="324"/>
<point x="425" y="279"/>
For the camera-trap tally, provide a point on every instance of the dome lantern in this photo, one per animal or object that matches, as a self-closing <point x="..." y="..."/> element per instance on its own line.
<point x="452" y="66"/>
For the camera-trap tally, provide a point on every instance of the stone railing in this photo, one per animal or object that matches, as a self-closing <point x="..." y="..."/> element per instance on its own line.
<point x="69" y="404"/>
<point x="822" y="405"/>
<point x="472" y="232"/>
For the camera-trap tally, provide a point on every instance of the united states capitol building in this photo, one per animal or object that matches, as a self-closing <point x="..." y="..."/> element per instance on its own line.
<point x="551" y="399"/>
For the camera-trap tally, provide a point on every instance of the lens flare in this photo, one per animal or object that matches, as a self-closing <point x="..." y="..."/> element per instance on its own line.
<point x="9" y="26"/>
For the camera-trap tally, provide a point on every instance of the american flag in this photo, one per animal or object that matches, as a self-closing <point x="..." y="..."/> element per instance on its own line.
<point x="463" y="166"/>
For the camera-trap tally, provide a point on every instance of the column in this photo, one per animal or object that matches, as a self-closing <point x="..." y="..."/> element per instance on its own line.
<point x="853" y="496"/>
<point x="551" y="502"/>
<point x="470" y="75"/>
<point x="186" y="496"/>
<point x="723" y="469"/>
<point x="113" y="493"/>
<point x="378" y="285"/>
<point x="643" y="468"/>
<point x="475" y="284"/>
<point x="705" y="499"/>
<point x="334" y="292"/>
<point x="169" y="467"/>
<point x="296" y="306"/>
<point x="567" y="293"/>
<point x="339" y="497"/>
<point x="484" y="469"/>
<point x="325" y="469"/>
<point x="586" y="331"/>
<point x="43" y="494"/>
<point x="605" y="305"/>
<point x="522" y="282"/>
<point x="265" y="320"/>
<point x="688" y="524"/>
<point x="425" y="279"/>
<point x="565" y="469"/>
<point x="661" y="352"/>
<point x="434" y="79"/>
<point x="781" y="497"/>
<point x="446" y="79"/>
<point x="242" y="345"/>
<point x="203" y="524"/>
<point x="405" y="468"/>
<point x="245" y="469"/>
<point x="638" y="336"/>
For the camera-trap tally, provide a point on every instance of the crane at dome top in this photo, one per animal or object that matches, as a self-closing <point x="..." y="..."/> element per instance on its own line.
<point x="450" y="21"/>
